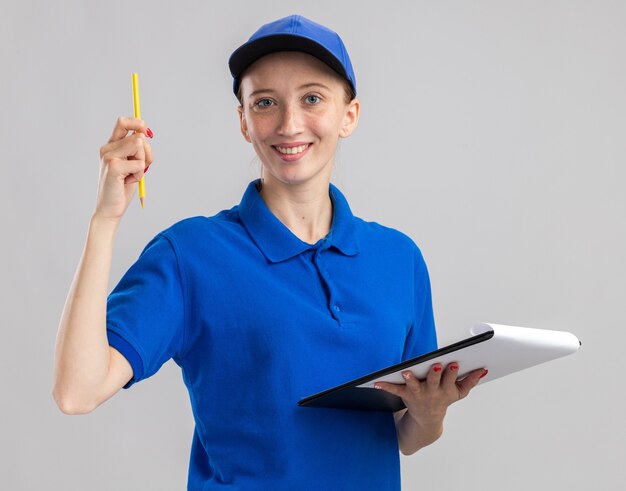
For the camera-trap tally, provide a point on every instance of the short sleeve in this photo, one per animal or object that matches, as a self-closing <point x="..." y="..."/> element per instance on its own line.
<point x="145" y="311"/>
<point x="422" y="336"/>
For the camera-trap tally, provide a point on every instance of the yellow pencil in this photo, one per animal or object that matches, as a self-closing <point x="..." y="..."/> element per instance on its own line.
<point x="142" y="184"/>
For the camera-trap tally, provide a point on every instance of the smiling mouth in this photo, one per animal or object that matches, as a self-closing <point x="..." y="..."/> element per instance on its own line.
<point x="292" y="150"/>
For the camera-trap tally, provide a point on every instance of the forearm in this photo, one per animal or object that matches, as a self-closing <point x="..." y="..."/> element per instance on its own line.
<point x="82" y="349"/>
<point x="413" y="436"/>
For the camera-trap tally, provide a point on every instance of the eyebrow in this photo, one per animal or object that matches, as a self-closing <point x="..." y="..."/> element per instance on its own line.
<point x="305" y="86"/>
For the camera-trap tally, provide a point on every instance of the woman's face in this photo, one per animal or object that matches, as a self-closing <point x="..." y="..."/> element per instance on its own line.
<point x="294" y="111"/>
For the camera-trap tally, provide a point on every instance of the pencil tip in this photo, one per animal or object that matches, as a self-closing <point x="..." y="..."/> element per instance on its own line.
<point x="142" y="202"/>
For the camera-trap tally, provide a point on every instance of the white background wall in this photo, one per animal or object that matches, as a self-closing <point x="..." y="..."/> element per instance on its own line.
<point x="492" y="132"/>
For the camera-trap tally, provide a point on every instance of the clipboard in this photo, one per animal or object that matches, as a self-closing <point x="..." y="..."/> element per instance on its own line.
<point x="499" y="348"/>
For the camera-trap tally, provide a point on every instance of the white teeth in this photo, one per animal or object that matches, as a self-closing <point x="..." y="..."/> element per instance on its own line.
<point x="292" y="150"/>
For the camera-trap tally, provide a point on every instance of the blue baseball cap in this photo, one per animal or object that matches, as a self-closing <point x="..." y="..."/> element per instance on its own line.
<point x="293" y="33"/>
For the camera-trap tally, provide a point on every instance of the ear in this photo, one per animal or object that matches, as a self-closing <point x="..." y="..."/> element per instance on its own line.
<point x="350" y="118"/>
<point x="243" y="124"/>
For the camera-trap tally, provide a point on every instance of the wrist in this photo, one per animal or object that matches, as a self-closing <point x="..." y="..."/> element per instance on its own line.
<point x="103" y="226"/>
<point x="430" y="420"/>
<point x="415" y="433"/>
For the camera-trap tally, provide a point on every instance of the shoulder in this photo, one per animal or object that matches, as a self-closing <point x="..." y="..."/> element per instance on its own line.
<point x="377" y="235"/>
<point x="199" y="238"/>
<point x="203" y="227"/>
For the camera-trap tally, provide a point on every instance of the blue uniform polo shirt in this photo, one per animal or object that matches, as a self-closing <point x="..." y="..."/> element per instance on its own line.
<point x="258" y="319"/>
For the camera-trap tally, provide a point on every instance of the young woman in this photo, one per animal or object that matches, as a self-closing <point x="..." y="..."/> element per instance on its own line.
<point x="279" y="297"/>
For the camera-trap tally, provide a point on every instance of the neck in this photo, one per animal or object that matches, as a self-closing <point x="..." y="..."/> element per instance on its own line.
<point x="305" y="210"/>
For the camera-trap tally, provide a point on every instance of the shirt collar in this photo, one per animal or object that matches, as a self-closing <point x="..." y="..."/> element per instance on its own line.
<point x="278" y="243"/>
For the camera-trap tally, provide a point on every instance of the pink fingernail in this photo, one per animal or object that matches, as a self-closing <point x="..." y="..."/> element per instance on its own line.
<point x="377" y="386"/>
<point x="149" y="133"/>
<point x="484" y="373"/>
<point x="436" y="368"/>
<point x="454" y="366"/>
<point x="146" y="169"/>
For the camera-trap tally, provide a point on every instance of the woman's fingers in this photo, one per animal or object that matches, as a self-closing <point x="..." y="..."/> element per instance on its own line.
<point x="124" y="124"/>
<point x="128" y="147"/>
<point x="126" y="171"/>
<point x="124" y="160"/>
<point x="437" y="378"/>
<point x="395" y="389"/>
<point x="114" y="145"/>
<point x="470" y="381"/>
<point x="148" y="153"/>
<point x="433" y="378"/>
<point x="133" y="147"/>
<point x="412" y="384"/>
<point x="450" y="374"/>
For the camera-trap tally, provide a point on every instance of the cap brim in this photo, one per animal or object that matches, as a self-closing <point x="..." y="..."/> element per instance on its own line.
<point x="250" y="52"/>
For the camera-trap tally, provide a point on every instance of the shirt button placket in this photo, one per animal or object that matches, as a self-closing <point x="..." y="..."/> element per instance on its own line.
<point x="335" y="309"/>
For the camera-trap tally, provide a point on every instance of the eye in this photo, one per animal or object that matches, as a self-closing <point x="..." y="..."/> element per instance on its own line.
<point x="264" y="102"/>
<point x="312" y="99"/>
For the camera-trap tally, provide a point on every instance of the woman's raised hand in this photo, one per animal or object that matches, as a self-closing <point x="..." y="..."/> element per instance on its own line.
<point x="123" y="161"/>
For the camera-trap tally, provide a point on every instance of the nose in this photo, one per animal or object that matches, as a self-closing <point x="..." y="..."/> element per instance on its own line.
<point x="290" y="121"/>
